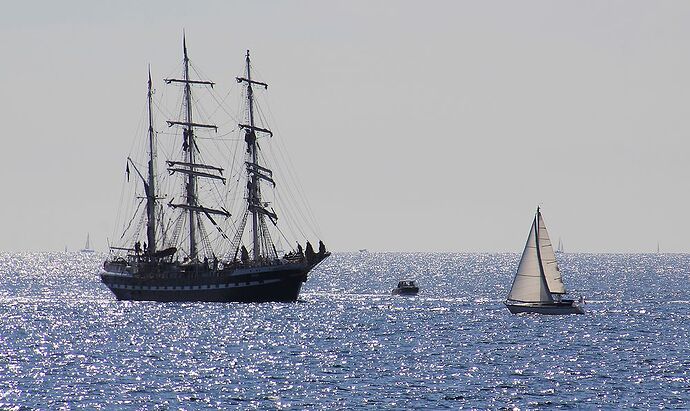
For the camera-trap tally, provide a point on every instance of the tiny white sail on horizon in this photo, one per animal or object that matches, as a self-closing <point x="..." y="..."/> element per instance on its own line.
<point x="87" y="246"/>
<point x="560" y="246"/>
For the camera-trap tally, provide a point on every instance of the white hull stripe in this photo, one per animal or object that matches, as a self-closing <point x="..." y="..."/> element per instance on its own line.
<point x="190" y="287"/>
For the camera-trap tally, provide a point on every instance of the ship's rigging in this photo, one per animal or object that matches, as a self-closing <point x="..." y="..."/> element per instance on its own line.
<point x="198" y="204"/>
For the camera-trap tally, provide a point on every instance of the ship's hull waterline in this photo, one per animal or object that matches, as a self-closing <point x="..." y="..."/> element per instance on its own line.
<point x="563" y="308"/>
<point x="273" y="285"/>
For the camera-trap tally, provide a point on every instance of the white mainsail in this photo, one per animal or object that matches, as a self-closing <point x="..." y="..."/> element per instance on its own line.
<point x="530" y="284"/>
<point x="548" y="259"/>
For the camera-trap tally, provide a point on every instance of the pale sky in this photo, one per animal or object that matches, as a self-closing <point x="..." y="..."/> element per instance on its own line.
<point x="414" y="125"/>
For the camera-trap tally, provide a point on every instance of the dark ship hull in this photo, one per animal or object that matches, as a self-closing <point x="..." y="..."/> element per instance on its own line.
<point x="174" y="282"/>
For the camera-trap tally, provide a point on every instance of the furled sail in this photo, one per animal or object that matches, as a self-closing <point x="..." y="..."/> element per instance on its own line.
<point x="529" y="284"/>
<point x="548" y="260"/>
<point x="260" y="172"/>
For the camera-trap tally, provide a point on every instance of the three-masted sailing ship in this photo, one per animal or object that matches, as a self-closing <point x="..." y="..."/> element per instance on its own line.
<point x="538" y="285"/>
<point x="181" y="260"/>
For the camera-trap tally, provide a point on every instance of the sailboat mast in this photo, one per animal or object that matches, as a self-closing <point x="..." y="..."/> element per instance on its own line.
<point x="254" y="193"/>
<point x="151" y="191"/>
<point x="536" y="238"/>
<point x="191" y="146"/>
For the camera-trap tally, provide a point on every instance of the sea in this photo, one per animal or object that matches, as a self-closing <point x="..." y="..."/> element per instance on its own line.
<point x="67" y="343"/>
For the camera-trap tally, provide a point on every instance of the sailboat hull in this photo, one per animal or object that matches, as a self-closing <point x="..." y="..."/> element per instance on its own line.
<point x="554" y="308"/>
<point x="280" y="283"/>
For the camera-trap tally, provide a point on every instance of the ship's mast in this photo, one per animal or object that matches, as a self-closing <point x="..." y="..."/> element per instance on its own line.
<point x="254" y="192"/>
<point x="255" y="171"/>
<point x="151" y="191"/>
<point x="189" y="140"/>
<point x="189" y="166"/>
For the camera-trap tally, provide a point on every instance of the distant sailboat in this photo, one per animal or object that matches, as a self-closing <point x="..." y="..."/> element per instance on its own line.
<point x="538" y="285"/>
<point x="87" y="248"/>
<point x="560" y="250"/>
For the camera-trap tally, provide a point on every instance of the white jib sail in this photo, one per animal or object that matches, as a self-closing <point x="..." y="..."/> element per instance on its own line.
<point x="529" y="284"/>
<point x="548" y="260"/>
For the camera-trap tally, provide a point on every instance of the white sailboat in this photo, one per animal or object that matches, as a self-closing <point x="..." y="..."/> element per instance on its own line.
<point x="538" y="285"/>
<point x="87" y="247"/>
<point x="560" y="249"/>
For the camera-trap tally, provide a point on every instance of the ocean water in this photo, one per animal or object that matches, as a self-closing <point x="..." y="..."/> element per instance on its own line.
<point x="66" y="343"/>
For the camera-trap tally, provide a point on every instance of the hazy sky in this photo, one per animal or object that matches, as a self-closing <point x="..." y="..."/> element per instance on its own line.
<point x="414" y="125"/>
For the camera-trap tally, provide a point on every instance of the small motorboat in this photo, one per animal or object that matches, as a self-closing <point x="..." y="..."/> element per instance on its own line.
<point x="406" y="287"/>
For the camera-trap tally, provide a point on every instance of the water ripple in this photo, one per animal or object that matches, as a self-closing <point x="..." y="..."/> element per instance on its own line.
<point x="66" y="343"/>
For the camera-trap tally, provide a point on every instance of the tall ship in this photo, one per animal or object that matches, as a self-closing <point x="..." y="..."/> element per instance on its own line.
<point x="538" y="284"/>
<point x="182" y="243"/>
